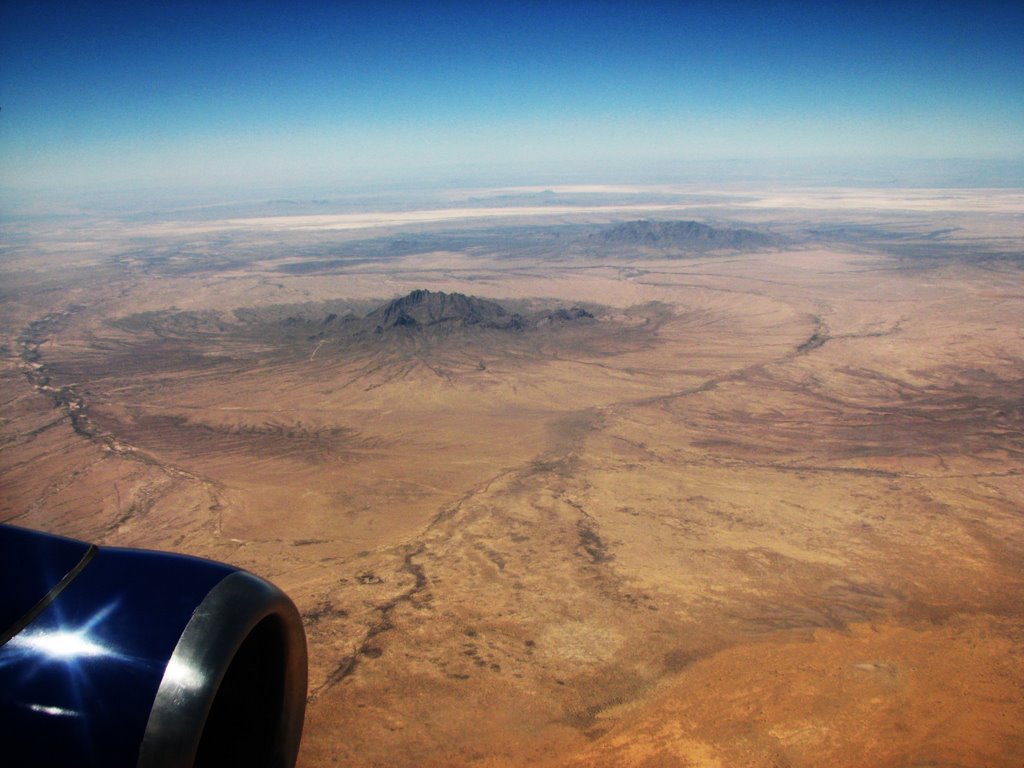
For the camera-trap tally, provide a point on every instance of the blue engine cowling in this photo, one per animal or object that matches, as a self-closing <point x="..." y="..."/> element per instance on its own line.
<point x="116" y="657"/>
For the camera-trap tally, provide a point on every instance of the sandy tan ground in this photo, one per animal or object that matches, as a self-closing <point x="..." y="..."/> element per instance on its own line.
<point x="768" y="511"/>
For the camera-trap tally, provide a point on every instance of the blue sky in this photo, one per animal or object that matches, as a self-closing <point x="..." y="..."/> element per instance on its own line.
<point x="222" y="93"/>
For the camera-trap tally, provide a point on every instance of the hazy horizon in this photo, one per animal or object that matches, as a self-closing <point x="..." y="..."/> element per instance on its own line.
<point x="255" y="98"/>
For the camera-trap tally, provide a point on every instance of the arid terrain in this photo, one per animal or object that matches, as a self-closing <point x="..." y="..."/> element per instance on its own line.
<point x="555" y="478"/>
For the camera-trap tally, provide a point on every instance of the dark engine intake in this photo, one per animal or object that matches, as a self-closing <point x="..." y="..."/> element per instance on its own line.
<point x="118" y="657"/>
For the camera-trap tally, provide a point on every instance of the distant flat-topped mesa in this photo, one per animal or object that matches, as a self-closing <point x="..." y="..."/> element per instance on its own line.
<point x="423" y="309"/>
<point x="688" y="235"/>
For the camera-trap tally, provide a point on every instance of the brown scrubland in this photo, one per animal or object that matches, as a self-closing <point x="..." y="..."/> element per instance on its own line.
<point x="703" y="506"/>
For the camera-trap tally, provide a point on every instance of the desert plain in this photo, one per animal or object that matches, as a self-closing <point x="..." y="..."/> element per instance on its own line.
<point x="749" y="495"/>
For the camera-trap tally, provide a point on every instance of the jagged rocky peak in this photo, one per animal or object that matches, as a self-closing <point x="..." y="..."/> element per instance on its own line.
<point x="573" y="314"/>
<point x="684" y="234"/>
<point x="424" y="309"/>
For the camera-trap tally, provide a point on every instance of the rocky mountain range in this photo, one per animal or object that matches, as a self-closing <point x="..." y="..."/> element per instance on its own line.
<point x="420" y="313"/>
<point x="689" y="235"/>
<point x="424" y="309"/>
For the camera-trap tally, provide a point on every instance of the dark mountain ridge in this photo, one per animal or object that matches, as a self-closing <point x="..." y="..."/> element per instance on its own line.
<point x="424" y="309"/>
<point x="690" y="235"/>
<point x="421" y="315"/>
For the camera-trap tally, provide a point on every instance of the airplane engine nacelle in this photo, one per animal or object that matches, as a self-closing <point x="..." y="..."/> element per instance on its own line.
<point x="117" y="657"/>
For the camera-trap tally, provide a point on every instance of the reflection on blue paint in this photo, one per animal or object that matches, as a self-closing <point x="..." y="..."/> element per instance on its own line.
<point x="77" y="683"/>
<point x="44" y="709"/>
<point x="67" y="645"/>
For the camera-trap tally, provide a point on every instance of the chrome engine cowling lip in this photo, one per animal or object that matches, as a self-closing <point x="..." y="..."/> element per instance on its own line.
<point x="218" y="628"/>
